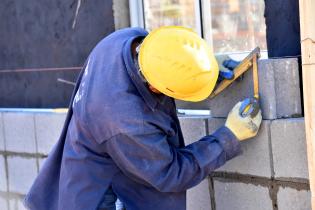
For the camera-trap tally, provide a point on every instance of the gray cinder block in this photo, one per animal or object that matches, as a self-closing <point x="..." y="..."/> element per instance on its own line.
<point x="287" y="87"/>
<point x="241" y="196"/>
<point x="2" y="147"/>
<point x="198" y="198"/>
<point x="3" y="177"/>
<point x="255" y="157"/>
<point x="193" y="129"/>
<point x="289" y="148"/>
<point x="3" y="203"/>
<point x="48" y="130"/>
<point x="214" y="124"/>
<point x="279" y="89"/>
<point x="17" y="204"/>
<point x="19" y="132"/>
<point x="292" y="199"/>
<point x="22" y="172"/>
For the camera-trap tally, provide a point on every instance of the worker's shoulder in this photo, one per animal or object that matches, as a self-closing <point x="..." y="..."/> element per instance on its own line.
<point x="115" y="41"/>
<point x="126" y="33"/>
<point x="131" y="30"/>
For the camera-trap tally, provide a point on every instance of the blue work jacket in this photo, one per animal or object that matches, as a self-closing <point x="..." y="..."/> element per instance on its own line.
<point x="120" y="138"/>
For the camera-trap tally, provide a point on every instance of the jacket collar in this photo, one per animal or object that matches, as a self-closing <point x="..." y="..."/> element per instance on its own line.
<point x="150" y="99"/>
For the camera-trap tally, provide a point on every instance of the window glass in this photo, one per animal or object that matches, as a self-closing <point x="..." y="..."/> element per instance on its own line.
<point x="237" y="25"/>
<point x="170" y="12"/>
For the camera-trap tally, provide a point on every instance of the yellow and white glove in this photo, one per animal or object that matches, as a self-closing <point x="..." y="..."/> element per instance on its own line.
<point x="243" y="127"/>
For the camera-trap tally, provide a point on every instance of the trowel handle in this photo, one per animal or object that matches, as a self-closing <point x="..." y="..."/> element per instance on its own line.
<point x="250" y="106"/>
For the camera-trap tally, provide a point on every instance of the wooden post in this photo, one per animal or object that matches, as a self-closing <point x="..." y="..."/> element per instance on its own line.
<point x="307" y="24"/>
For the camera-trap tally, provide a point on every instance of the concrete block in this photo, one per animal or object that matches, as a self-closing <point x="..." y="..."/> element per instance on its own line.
<point x="287" y="87"/>
<point x="198" y="197"/>
<point x="279" y="89"/>
<point x="241" y="196"/>
<point x="3" y="203"/>
<point x="17" y="204"/>
<point x="19" y="132"/>
<point x="22" y="172"/>
<point x="292" y="199"/>
<point x="255" y="157"/>
<point x="48" y="129"/>
<point x="214" y="124"/>
<point x="289" y="148"/>
<point x="3" y="177"/>
<point x="193" y="129"/>
<point x="2" y="142"/>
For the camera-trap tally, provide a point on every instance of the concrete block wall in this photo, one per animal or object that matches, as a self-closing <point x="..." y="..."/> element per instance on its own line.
<point x="241" y="196"/>
<point x="271" y="173"/>
<point x="25" y="141"/>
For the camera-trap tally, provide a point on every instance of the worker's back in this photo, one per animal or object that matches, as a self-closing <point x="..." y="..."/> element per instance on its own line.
<point x="120" y="136"/>
<point x="78" y="171"/>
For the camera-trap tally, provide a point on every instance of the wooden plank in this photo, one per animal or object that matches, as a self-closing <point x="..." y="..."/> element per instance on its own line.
<point x="308" y="51"/>
<point x="309" y="112"/>
<point x="307" y="20"/>
<point x="255" y="77"/>
<point x="307" y="24"/>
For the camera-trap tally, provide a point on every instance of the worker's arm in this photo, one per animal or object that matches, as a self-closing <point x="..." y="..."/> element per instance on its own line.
<point x="150" y="159"/>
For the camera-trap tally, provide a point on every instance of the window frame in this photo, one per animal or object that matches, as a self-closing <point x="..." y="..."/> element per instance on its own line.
<point x="204" y="28"/>
<point x="137" y="15"/>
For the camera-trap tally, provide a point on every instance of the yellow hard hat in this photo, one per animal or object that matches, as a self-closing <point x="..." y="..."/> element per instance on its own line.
<point x="178" y="63"/>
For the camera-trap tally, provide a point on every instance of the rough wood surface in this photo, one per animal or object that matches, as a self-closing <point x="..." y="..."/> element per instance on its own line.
<point x="307" y="24"/>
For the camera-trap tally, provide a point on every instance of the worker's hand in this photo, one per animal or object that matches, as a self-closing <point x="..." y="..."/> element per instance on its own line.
<point x="243" y="127"/>
<point x="226" y="67"/>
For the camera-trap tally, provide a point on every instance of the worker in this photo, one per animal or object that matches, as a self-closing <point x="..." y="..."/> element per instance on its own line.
<point x="122" y="138"/>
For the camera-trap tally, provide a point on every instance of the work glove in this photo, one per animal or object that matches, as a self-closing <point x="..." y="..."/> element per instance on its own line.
<point x="243" y="127"/>
<point x="226" y="67"/>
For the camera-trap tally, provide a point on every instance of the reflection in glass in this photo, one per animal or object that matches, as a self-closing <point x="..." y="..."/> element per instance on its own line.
<point x="234" y="25"/>
<point x="169" y="12"/>
<point x="237" y="25"/>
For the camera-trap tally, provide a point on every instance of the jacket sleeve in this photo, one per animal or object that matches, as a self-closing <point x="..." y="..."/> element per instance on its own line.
<point x="149" y="158"/>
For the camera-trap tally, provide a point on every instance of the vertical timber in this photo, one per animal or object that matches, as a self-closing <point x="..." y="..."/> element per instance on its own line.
<point x="307" y="24"/>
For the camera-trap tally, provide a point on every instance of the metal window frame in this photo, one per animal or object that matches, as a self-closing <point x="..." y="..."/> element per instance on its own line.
<point x="207" y="32"/>
<point x="204" y="27"/>
<point x="136" y="13"/>
<point x="137" y="16"/>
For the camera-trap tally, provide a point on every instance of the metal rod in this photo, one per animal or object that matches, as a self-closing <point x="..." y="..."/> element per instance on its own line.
<point x="40" y="69"/>
<point x="66" y="81"/>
